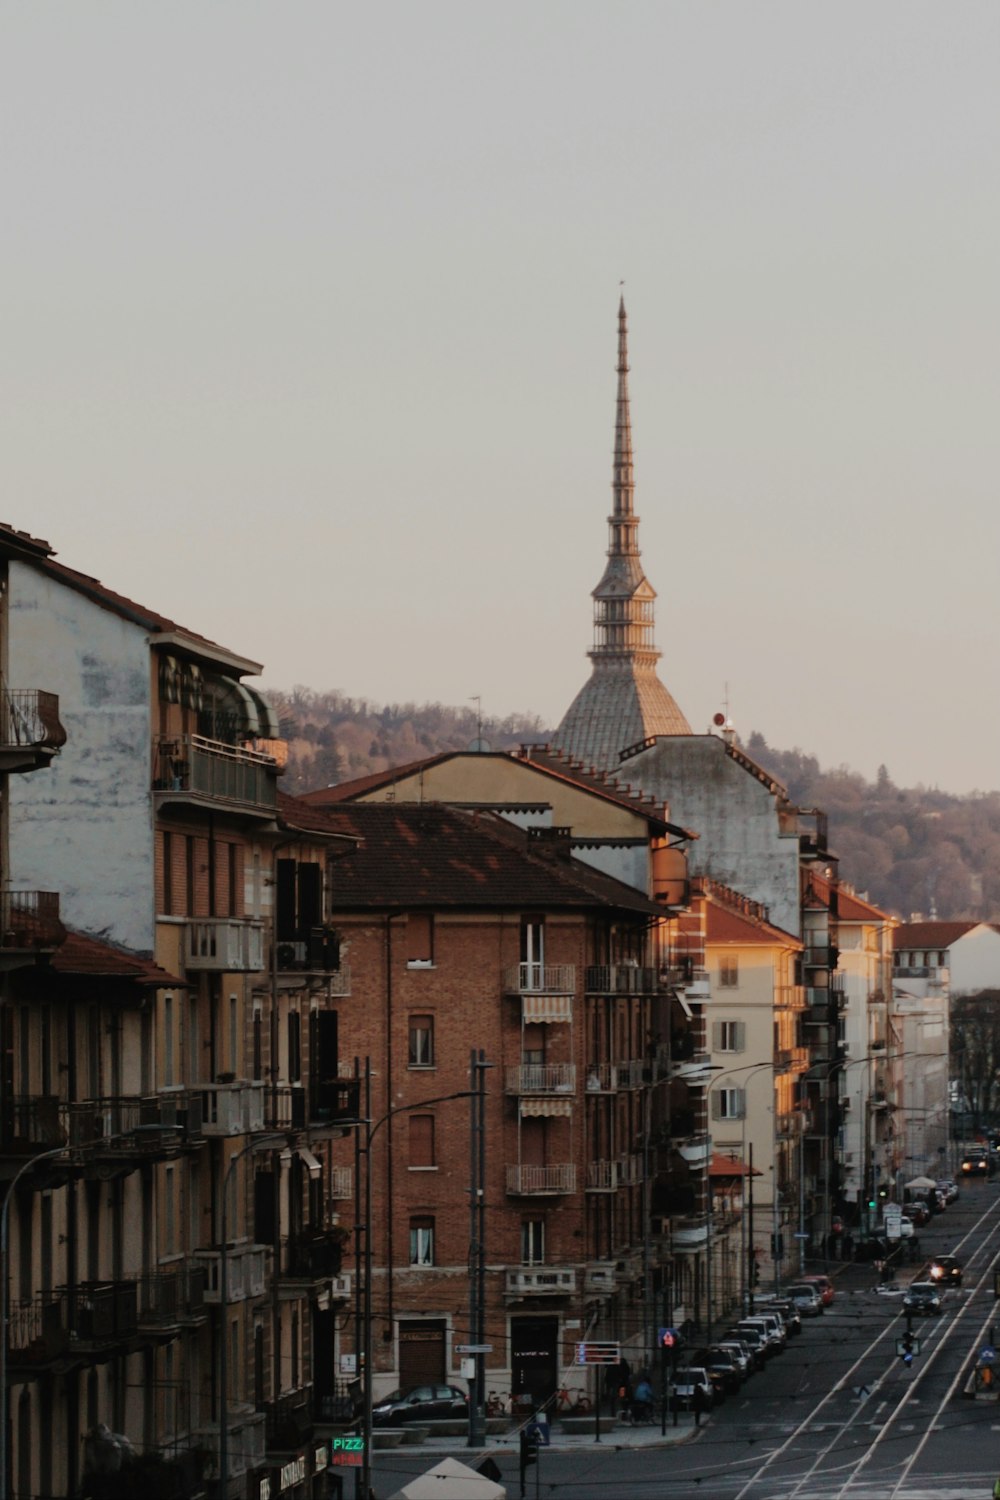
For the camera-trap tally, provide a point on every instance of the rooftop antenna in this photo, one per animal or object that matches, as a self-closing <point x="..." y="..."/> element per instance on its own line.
<point x="478" y="744"/>
<point x="723" y="721"/>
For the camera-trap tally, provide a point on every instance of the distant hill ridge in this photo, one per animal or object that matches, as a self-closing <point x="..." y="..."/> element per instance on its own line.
<point x="912" y="850"/>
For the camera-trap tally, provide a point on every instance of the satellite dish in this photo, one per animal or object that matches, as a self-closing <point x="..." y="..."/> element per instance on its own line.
<point x="719" y="720"/>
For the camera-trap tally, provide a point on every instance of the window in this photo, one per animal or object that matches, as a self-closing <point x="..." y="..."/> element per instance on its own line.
<point x="729" y="973"/>
<point x="533" y="1242"/>
<point x="421" y="1242"/>
<point x="168" y="874"/>
<point x="533" y="952"/>
<point x="729" y="1036"/>
<point x="422" y="1141"/>
<point x="729" y="1104"/>
<point x="421" y="1041"/>
<point x="420" y="939"/>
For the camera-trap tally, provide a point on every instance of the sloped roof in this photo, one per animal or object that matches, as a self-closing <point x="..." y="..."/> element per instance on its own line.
<point x="40" y="556"/>
<point x="87" y="957"/>
<point x="433" y="857"/>
<point x="724" y="925"/>
<point x="934" y="934"/>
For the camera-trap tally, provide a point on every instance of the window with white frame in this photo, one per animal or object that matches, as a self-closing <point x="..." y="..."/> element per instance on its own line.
<point x="421" y="1242"/>
<point x="533" y="1242"/>
<point x="421" y="1041"/>
<point x="729" y="1104"/>
<point x="729" y="1036"/>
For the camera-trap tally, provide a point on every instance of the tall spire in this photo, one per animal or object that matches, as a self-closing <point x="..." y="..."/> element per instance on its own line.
<point x="624" y="700"/>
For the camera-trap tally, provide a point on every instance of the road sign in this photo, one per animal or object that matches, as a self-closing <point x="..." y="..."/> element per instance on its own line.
<point x="473" y="1348"/>
<point x="598" y="1354"/>
<point x="901" y="1346"/>
<point x="802" y="1234"/>
<point x="988" y="1355"/>
<point x="667" y="1338"/>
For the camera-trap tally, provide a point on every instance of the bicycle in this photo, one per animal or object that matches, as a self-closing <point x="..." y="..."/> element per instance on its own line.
<point x="497" y="1404"/>
<point x="573" y="1403"/>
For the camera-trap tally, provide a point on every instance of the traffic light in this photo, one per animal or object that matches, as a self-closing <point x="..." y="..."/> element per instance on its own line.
<point x="907" y="1351"/>
<point x="883" y="1193"/>
<point x="777" y="1246"/>
<point x="529" y="1449"/>
<point x="872" y="1204"/>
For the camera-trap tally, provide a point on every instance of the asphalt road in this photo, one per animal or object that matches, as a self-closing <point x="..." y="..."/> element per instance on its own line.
<point x="837" y="1416"/>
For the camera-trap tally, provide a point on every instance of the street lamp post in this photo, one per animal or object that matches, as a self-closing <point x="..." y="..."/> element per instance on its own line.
<point x="5" y="1302"/>
<point x="371" y="1128"/>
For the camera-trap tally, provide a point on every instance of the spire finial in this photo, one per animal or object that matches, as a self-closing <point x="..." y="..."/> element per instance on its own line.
<point x="623" y="484"/>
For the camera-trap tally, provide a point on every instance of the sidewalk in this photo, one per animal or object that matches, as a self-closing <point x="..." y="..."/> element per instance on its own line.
<point x="644" y="1435"/>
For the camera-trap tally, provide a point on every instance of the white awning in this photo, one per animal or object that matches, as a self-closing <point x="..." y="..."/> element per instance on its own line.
<point x="536" y="1108"/>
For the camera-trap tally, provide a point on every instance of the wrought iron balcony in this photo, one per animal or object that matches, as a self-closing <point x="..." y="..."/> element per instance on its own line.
<point x="621" y="979"/>
<point x="313" y="1255"/>
<point x="29" y="921"/>
<point x="30" y="731"/>
<point x="523" y="1180"/>
<point x="541" y="1078"/>
<point x="289" y="1420"/>
<point x="334" y="1102"/>
<point x="92" y="1317"/>
<point x="149" y="1126"/>
<point x="245" y="1447"/>
<point x="172" y="1296"/>
<point x="30" y="1124"/>
<point x="540" y="979"/>
<point x="541" y="1281"/>
<point x="314" y="951"/>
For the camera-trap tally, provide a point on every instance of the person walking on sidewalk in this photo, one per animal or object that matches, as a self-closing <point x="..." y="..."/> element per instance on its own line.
<point x="698" y="1403"/>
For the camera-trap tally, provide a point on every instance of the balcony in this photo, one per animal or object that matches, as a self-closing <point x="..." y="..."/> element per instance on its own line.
<point x="30" y="731"/>
<point x="29" y="921"/>
<point x="314" y="1255"/>
<point x="224" y="945"/>
<point x="698" y="1152"/>
<point x="621" y="979"/>
<point x="173" y="1297"/>
<point x="609" y="1175"/>
<point x="207" y="772"/>
<point x="246" y="1272"/>
<point x="291" y="1106"/>
<point x="695" y="1071"/>
<point x="289" y="1421"/>
<point x="530" y="1181"/>
<point x="90" y="1318"/>
<point x="820" y="956"/>
<point x="133" y="1127"/>
<point x="232" y="1108"/>
<point x="316" y="952"/>
<point x="541" y="1281"/>
<point x="541" y="1078"/>
<point x="698" y="987"/>
<point x="688" y="1233"/>
<point x="608" y="1078"/>
<point x="540" y="979"/>
<point x="31" y="1123"/>
<point x="246" y="1446"/>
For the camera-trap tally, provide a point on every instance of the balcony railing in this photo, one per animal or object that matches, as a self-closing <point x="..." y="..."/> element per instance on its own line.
<point x="289" y="1420"/>
<point x="315" y="951"/>
<point x="542" y="1078"/>
<point x="134" y="1124"/>
<point x="819" y="956"/>
<point x="540" y="979"/>
<point x="172" y="1296"/>
<point x="212" y="771"/>
<point x="246" y="1444"/>
<point x="246" y="1272"/>
<point x="30" y="920"/>
<point x="93" y="1315"/>
<point x="531" y="1180"/>
<point x="30" y="731"/>
<point x="227" y="945"/>
<point x="621" y="979"/>
<point x="232" y="1108"/>
<point x="313" y="1256"/>
<point x="303" y="1106"/>
<point x="542" y="1281"/>
<point x="31" y="1123"/>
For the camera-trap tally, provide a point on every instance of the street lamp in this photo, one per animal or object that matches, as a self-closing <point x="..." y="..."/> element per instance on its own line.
<point x="5" y="1302"/>
<point x="371" y="1128"/>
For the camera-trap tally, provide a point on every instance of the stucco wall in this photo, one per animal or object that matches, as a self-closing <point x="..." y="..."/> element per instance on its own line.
<point x="974" y="961"/>
<point x="84" y="826"/>
<point x="734" y="815"/>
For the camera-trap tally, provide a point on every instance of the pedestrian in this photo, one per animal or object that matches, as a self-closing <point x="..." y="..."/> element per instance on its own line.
<point x="698" y="1402"/>
<point x="996" y="1489"/>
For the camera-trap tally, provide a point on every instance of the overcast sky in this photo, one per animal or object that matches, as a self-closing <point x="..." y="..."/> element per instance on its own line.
<point x="308" y="340"/>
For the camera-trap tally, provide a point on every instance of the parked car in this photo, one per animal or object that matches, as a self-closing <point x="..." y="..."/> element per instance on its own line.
<point x="770" y="1327"/>
<point x="786" y="1310"/>
<point x="949" y="1188"/>
<point x="741" y="1354"/>
<point x="824" y="1286"/>
<point x="923" y="1297"/>
<point x="805" y="1295"/>
<point x="945" y="1270"/>
<point x="685" y="1381"/>
<point x="421" y="1403"/>
<point x="755" y="1339"/>
<point x="906" y="1229"/>
<point x="723" y="1371"/>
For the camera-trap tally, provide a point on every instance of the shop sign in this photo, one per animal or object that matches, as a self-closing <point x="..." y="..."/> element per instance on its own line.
<point x="292" y="1474"/>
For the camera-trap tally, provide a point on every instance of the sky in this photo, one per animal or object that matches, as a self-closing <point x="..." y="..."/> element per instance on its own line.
<point x="309" y="333"/>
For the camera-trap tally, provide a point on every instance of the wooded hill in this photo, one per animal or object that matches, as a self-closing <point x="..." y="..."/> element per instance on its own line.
<point x="911" y="849"/>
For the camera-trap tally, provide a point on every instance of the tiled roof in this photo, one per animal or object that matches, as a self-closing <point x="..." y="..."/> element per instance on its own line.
<point x="298" y="814"/>
<point x="724" y="925"/>
<point x="934" y="934"/>
<point x="729" y="1166"/>
<point x="433" y="857"/>
<point x="83" y="956"/>
<point x="854" y="908"/>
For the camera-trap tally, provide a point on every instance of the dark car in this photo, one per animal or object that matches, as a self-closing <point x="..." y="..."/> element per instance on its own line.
<point x="977" y="1164"/>
<point x="945" y="1270"/>
<point x="923" y="1297"/>
<point x="421" y="1403"/>
<point x="723" y="1369"/>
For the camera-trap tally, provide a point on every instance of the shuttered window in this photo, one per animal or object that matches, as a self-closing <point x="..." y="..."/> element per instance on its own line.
<point x="422" y="1141"/>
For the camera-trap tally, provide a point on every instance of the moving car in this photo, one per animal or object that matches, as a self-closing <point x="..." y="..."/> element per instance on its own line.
<point x="977" y="1163"/>
<point x="421" y="1403"/>
<point x="945" y="1270"/>
<point x="823" y="1285"/>
<point x="806" y="1298"/>
<point x="923" y="1297"/>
